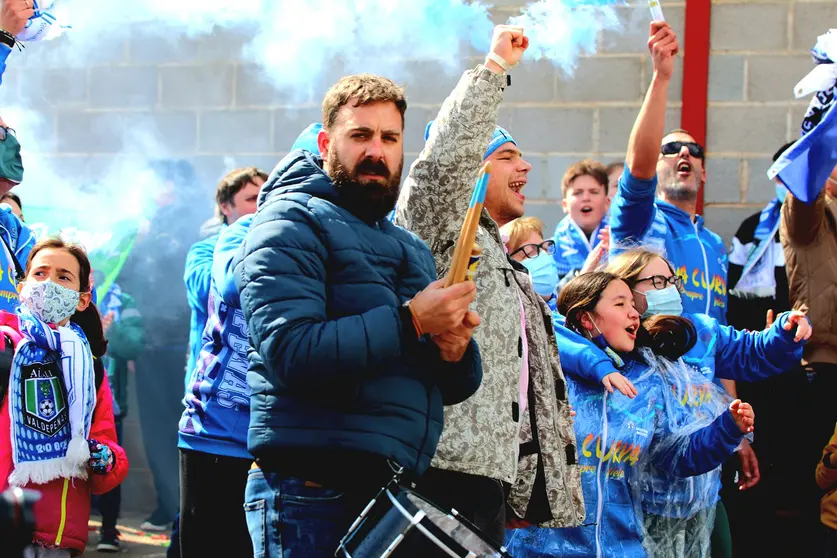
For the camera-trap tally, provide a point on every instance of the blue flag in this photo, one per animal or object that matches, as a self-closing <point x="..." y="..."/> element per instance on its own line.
<point x="805" y="167"/>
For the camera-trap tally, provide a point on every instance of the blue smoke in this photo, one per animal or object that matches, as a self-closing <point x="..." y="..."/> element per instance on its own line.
<point x="560" y="31"/>
<point x="301" y="46"/>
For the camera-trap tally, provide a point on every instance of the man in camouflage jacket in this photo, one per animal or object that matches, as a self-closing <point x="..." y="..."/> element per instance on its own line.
<point x="516" y="431"/>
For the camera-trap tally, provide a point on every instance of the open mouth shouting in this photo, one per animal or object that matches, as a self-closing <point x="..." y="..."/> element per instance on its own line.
<point x="586" y="209"/>
<point x="684" y="168"/>
<point x="516" y="187"/>
<point x="631" y="330"/>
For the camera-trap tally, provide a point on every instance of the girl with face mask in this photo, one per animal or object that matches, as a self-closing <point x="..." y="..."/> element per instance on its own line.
<point x="617" y="434"/>
<point x="57" y="431"/>
<point x="670" y="510"/>
<point x="527" y="246"/>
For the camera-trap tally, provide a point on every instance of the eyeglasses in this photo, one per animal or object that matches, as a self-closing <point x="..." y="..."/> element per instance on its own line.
<point x="674" y="147"/>
<point x="532" y="250"/>
<point x="5" y="132"/>
<point x="661" y="282"/>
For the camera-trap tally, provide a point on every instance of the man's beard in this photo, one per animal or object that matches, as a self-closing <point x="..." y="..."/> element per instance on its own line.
<point x="675" y="189"/>
<point x="369" y="201"/>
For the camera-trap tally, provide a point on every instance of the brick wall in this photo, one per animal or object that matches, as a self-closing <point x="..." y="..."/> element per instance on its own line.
<point x="203" y="102"/>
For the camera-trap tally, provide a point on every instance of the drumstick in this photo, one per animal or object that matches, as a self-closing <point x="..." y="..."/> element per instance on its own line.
<point x="468" y="233"/>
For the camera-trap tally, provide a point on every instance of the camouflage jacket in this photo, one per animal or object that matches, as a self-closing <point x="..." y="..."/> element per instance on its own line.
<point x="483" y="435"/>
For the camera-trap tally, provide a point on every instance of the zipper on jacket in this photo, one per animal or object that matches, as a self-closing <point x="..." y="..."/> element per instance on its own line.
<point x="63" y="521"/>
<point x="705" y="270"/>
<point x="600" y="499"/>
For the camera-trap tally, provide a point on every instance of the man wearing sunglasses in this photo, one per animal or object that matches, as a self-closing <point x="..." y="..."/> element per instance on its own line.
<point x="658" y="190"/>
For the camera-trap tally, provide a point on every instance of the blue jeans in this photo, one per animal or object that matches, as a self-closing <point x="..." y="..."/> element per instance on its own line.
<point x="288" y="519"/>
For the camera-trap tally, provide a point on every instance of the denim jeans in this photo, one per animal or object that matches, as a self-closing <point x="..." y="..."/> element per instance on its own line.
<point x="289" y="518"/>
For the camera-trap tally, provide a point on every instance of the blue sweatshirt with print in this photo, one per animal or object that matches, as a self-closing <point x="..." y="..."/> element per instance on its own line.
<point x="638" y="218"/>
<point x="720" y="351"/>
<point x="616" y="435"/>
<point x="217" y="401"/>
<point x="198" y="277"/>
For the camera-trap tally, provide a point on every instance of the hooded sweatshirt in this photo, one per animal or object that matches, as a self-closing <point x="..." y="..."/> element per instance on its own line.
<point x="217" y="399"/>
<point x="699" y="257"/>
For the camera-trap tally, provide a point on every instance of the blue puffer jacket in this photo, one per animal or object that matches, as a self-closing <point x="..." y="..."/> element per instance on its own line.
<point x="333" y="364"/>
<point x="720" y="350"/>
<point x="616" y="436"/>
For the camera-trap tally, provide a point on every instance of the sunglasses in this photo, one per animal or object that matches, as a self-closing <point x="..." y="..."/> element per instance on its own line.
<point x="4" y="132"/>
<point x="674" y="147"/>
<point x="661" y="282"/>
<point x="532" y="250"/>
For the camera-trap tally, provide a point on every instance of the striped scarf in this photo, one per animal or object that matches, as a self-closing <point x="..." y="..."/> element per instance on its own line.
<point x="52" y="397"/>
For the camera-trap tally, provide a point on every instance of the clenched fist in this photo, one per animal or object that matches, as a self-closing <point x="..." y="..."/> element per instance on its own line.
<point x="509" y="43"/>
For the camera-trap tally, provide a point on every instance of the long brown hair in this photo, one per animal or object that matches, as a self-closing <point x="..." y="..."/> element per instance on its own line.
<point x="581" y="295"/>
<point x="90" y="321"/>
<point x="667" y="336"/>
<point x="628" y="266"/>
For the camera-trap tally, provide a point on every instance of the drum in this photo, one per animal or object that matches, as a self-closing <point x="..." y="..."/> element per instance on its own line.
<point x="400" y="523"/>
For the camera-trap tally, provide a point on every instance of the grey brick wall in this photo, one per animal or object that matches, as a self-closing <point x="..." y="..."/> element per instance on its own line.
<point x="203" y="101"/>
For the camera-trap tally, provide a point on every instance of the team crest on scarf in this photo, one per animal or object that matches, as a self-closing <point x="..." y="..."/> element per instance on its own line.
<point x="44" y="405"/>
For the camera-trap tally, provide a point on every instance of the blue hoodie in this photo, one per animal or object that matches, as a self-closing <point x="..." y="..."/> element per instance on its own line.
<point x="217" y="398"/>
<point x="698" y="255"/>
<point x="20" y="240"/>
<point x="198" y="277"/>
<point x="614" y="445"/>
<point x="572" y="247"/>
<point x="720" y="351"/>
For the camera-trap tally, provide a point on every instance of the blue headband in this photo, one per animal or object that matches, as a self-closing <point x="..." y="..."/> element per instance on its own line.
<point x="500" y="137"/>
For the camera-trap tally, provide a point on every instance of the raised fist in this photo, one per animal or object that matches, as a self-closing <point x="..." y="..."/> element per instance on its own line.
<point x="509" y="43"/>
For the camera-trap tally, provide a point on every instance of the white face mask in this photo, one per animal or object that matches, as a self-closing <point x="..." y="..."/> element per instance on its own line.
<point x="50" y="302"/>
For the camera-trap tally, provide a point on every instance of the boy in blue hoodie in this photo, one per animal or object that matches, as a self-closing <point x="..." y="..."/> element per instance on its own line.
<point x="213" y="428"/>
<point x="657" y="199"/>
<point x="235" y="197"/>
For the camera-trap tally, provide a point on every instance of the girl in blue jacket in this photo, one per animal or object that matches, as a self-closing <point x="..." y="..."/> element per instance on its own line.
<point x="616" y="433"/>
<point x="672" y="505"/>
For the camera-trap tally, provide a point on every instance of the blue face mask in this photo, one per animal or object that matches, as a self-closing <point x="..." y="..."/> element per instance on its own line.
<point x="544" y="273"/>
<point x="781" y="192"/>
<point x="600" y="341"/>
<point x="663" y="302"/>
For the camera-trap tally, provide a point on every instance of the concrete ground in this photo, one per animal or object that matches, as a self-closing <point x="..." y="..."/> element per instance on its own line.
<point x="134" y="541"/>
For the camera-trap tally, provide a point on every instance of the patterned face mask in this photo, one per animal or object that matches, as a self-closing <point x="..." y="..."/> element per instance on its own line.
<point x="48" y="301"/>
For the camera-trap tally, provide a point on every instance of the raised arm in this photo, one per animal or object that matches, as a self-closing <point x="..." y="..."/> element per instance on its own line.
<point x="633" y="208"/>
<point x="435" y="195"/>
<point x="749" y="356"/>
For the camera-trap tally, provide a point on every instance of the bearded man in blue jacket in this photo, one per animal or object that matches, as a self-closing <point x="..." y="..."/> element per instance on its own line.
<point x="354" y="347"/>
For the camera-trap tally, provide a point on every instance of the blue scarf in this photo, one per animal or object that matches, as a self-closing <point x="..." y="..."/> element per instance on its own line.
<point x="572" y="246"/>
<point x="53" y="394"/>
<point x="758" y="278"/>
